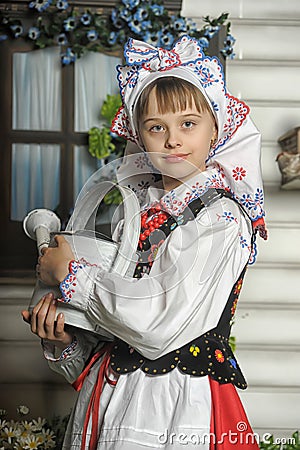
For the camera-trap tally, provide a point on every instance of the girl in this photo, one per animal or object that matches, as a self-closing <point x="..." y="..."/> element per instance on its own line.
<point x="168" y="378"/>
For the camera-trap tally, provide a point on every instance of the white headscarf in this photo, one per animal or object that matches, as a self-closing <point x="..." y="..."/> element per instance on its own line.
<point x="235" y="156"/>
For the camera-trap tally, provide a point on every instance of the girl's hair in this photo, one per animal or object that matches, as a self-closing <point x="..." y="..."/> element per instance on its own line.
<point x="172" y="94"/>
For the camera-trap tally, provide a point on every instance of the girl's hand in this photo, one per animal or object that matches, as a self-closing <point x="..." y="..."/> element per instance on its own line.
<point x="43" y="322"/>
<point x="53" y="265"/>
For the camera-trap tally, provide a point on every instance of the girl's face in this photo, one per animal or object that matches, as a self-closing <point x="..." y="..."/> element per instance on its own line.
<point x="178" y="142"/>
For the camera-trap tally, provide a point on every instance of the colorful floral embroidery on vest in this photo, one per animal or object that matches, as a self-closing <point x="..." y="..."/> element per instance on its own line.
<point x="234" y="305"/>
<point x="219" y="356"/>
<point x="238" y="287"/>
<point x="195" y="350"/>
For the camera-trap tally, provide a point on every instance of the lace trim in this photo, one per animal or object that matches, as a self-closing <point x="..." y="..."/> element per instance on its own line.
<point x="49" y="348"/>
<point x="68" y="285"/>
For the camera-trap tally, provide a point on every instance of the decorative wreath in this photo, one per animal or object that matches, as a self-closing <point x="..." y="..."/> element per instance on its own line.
<point x="76" y="32"/>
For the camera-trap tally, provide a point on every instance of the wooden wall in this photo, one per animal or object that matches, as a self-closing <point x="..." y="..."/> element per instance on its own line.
<point x="25" y="378"/>
<point x="266" y="73"/>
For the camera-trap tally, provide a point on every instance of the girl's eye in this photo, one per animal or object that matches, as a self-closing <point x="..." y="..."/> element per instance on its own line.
<point x="156" y="128"/>
<point x="188" y="124"/>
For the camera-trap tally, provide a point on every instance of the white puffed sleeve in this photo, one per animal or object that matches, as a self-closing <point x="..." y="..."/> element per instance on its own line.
<point x="186" y="291"/>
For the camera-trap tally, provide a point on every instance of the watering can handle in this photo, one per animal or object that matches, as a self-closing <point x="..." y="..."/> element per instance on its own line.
<point x="85" y="207"/>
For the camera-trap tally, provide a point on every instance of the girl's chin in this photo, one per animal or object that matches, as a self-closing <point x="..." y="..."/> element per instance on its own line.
<point x="181" y="175"/>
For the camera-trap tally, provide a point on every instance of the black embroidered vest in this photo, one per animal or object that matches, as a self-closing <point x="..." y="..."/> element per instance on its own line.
<point x="209" y="354"/>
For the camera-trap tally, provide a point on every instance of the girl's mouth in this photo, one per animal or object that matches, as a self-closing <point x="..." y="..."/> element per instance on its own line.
<point x="176" y="158"/>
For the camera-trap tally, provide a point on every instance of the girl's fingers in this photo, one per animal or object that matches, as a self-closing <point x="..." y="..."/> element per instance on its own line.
<point x="39" y="315"/>
<point x="50" y="319"/>
<point x="26" y="316"/>
<point x="44" y="323"/>
<point x="60" y="326"/>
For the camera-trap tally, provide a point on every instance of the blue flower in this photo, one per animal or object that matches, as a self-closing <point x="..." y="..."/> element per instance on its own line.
<point x="61" y="39"/>
<point x="211" y="31"/>
<point x="68" y="57"/>
<point x="204" y="42"/>
<point x="117" y="22"/>
<point x="152" y="37"/>
<point x="85" y="19"/>
<point x="62" y="4"/>
<point x="190" y="25"/>
<point x="40" y="5"/>
<point x="135" y="26"/>
<point x="229" y="41"/>
<point x="125" y="14"/>
<point x="179" y="24"/>
<point x="33" y="33"/>
<point x="131" y="3"/>
<point x="70" y="23"/>
<point x="145" y="25"/>
<point x="92" y="35"/>
<point x="167" y="40"/>
<point x="228" y="216"/>
<point x="157" y="9"/>
<point x="247" y="201"/>
<point x="141" y="14"/>
<point x="17" y="30"/>
<point x="228" y="53"/>
<point x="112" y="39"/>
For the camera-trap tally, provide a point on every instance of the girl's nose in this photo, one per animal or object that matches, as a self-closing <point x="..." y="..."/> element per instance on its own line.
<point x="172" y="140"/>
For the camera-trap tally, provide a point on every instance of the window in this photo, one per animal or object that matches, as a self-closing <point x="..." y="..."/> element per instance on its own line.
<point x="45" y="114"/>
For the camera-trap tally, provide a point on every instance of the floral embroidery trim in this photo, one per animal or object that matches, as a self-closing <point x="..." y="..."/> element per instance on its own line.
<point x="64" y="354"/>
<point x="253" y="255"/>
<point x="146" y="58"/>
<point x="69" y="350"/>
<point x="68" y="285"/>
<point x="238" y="287"/>
<point x="234" y="305"/>
<point x="228" y="216"/>
<point x="238" y="173"/>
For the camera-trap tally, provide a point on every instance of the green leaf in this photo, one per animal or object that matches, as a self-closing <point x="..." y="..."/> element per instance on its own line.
<point x="232" y="343"/>
<point x="114" y="197"/>
<point x="110" y="107"/>
<point x="100" y="142"/>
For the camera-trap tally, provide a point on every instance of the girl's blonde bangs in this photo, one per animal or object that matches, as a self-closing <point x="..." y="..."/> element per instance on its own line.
<point x="172" y="94"/>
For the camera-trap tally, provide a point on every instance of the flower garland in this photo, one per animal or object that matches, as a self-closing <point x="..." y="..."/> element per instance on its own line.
<point x="75" y="32"/>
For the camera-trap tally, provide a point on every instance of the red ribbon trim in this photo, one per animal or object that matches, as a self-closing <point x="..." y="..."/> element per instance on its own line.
<point x="93" y="406"/>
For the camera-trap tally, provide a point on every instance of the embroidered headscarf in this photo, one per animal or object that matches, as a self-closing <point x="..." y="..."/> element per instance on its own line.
<point x="235" y="156"/>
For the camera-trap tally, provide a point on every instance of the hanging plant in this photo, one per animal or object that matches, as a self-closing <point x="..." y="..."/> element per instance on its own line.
<point x="102" y="142"/>
<point x="57" y="23"/>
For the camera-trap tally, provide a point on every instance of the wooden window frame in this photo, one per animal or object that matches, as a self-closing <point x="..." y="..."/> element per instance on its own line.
<point x="17" y="251"/>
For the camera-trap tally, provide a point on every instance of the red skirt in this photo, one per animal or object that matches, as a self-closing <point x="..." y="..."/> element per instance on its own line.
<point x="229" y="427"/>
